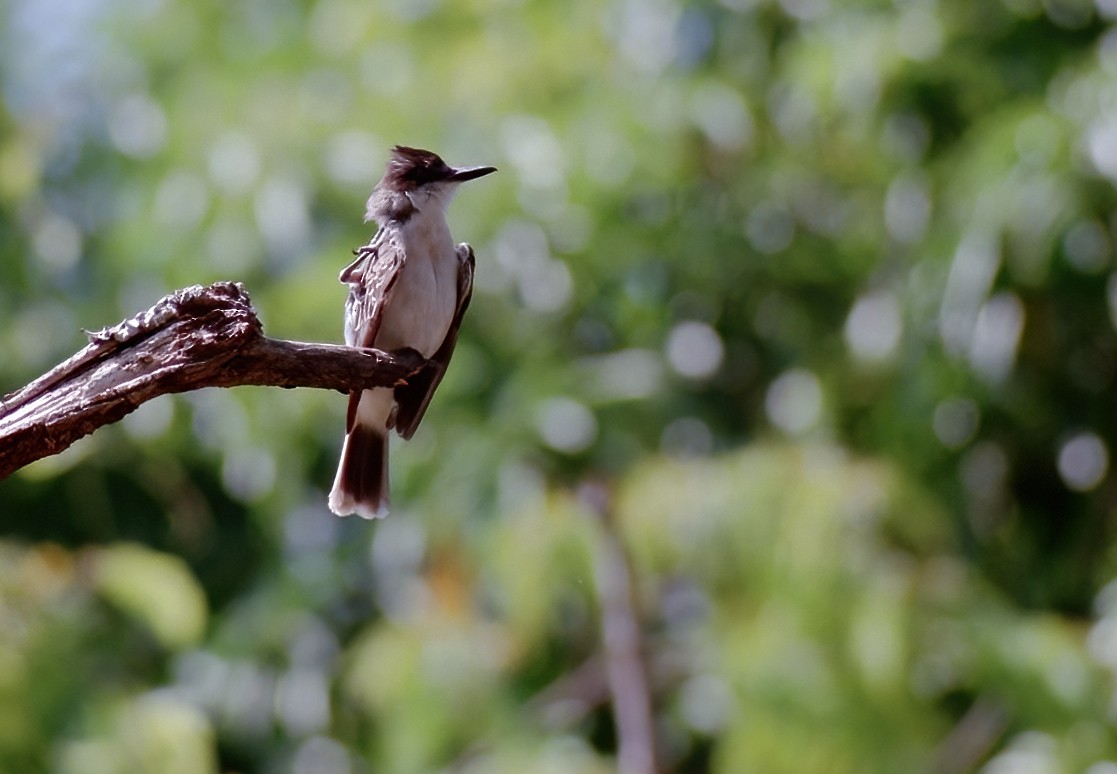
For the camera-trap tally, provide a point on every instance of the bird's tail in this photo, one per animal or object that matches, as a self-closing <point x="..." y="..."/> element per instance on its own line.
<point x="361" y="484"/>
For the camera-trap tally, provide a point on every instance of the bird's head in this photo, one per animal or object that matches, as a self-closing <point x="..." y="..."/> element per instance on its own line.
<point x="422" y="178"/>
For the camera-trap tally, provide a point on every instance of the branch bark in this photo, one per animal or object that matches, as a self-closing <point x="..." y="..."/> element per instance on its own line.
<point x="193" y="338"/>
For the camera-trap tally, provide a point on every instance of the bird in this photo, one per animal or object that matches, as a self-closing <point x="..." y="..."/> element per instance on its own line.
<point x="408" y="290"/>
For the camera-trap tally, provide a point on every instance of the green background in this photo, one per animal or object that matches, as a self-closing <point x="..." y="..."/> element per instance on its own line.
<point x="821" y="293"/>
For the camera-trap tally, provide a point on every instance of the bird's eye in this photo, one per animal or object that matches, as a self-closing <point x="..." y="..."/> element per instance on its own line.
<point x="429" y="170"/>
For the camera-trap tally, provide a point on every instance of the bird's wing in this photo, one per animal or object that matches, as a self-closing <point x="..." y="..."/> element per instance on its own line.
<point x="371" y="278"/>
<point x="413" y="397"/>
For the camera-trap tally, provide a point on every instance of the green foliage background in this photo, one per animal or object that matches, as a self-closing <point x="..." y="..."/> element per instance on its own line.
<point x="823" y="291"/>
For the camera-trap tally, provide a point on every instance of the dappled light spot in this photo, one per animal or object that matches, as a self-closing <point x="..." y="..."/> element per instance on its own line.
<point x="985" y="468"/>
<point x="996" y="336"/>
<point x="546" y="286"/>
<point x="984" y="473"/>
<point x="51" y="59"/>
<point x="151" y="731"/>
<point x="794" y="111"/>
<point x="523" y="257"/>
<point x="314" y="645"/>
<point x="685" y="602"/>
<point x="283" y="214"/>
<point x="1029" y="752"/>
<point x="534" y="150"/>
<point x="396" y="557"/>
<point x="337" y="27"/>
<point x="722" y="115"/>
<point x="302" y="702"/>
<point x="565" y="752"/>
<point x="234" y="163"/>
<point x="907" y="207"/>
<point x="876" y="639"/>
<point x="518" y="484"/>
<point x="306" y="532"/>
<point x="58" y="242"/>
<point x="805" y="10"/>
<point x="821" y="208"/>
<point x="975" y="264"/>
<point x="706" y="702"/>
<point x="1087" y="247"/>
<point x="694" y="36"/>
<point x="1033" y="201"/>
<point x="138" y="126"/>
<point x="219" y="421"/>
<point x="151" y="419"/>
<point x="695" y="350"/>
<point x="645" y="32"/>
<point x="857" y="81"/>
<point x="326" y="96"/>
<point x="687" y="437"/>
<point x="1083" y="461"/>
<point x="398" y="549"/>
<point x="566" y="425"/>
<point x="906" y="136"/>
<point x="181" y="200"/>
<point x="955" y="421"/>
<point x="388" y="68"/>
<point x="233" y="245"/>
<point x="412" y="10"/>
<point x="200" y="676"/>
<point x="39" y="333"/>
<point x="246" y="697"/>
<point x="770" y="227"/>
<point x="249" y="474"/>
<point x="1102" y="640"/>
<point x="626" y="375"/>
<point x="794" y="401"/>
<point x="321" y="755"/>
<point x="873" y="327"/>
<point x="919" y="32"/>
<point x="1107" y="9"/>
<point x="520" y="241"/>
<point x="610" y="158"/>
<point x="1101" y="141"/>
<point x="571" y="229"/>
<point x="350" y="157"/>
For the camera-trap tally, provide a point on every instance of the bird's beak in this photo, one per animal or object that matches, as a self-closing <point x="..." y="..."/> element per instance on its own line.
<point x="470" y="173"/>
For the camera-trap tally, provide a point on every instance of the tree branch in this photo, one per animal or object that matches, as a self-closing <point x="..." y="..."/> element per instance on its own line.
<point x="193" y="338"/>
<point x="622" y="639"/>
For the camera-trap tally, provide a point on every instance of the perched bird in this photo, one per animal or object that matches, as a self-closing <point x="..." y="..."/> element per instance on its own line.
<point x="408" y="289"/>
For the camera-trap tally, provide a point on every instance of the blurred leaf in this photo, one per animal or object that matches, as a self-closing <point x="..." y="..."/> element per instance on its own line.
<point x="150" y="733"/>
<point x="157" y="589"/>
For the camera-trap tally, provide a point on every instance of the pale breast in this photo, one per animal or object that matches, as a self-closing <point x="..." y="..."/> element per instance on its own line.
<point x="424" y="298"/>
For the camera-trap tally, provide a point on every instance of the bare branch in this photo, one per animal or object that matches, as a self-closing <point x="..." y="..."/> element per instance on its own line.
<point x="193" y="338"/>
<point x="972" y="738"/>
<point x="623" y="640"/>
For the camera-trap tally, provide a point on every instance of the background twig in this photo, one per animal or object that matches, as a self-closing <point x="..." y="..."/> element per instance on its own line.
<point x="624" y="657"/>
